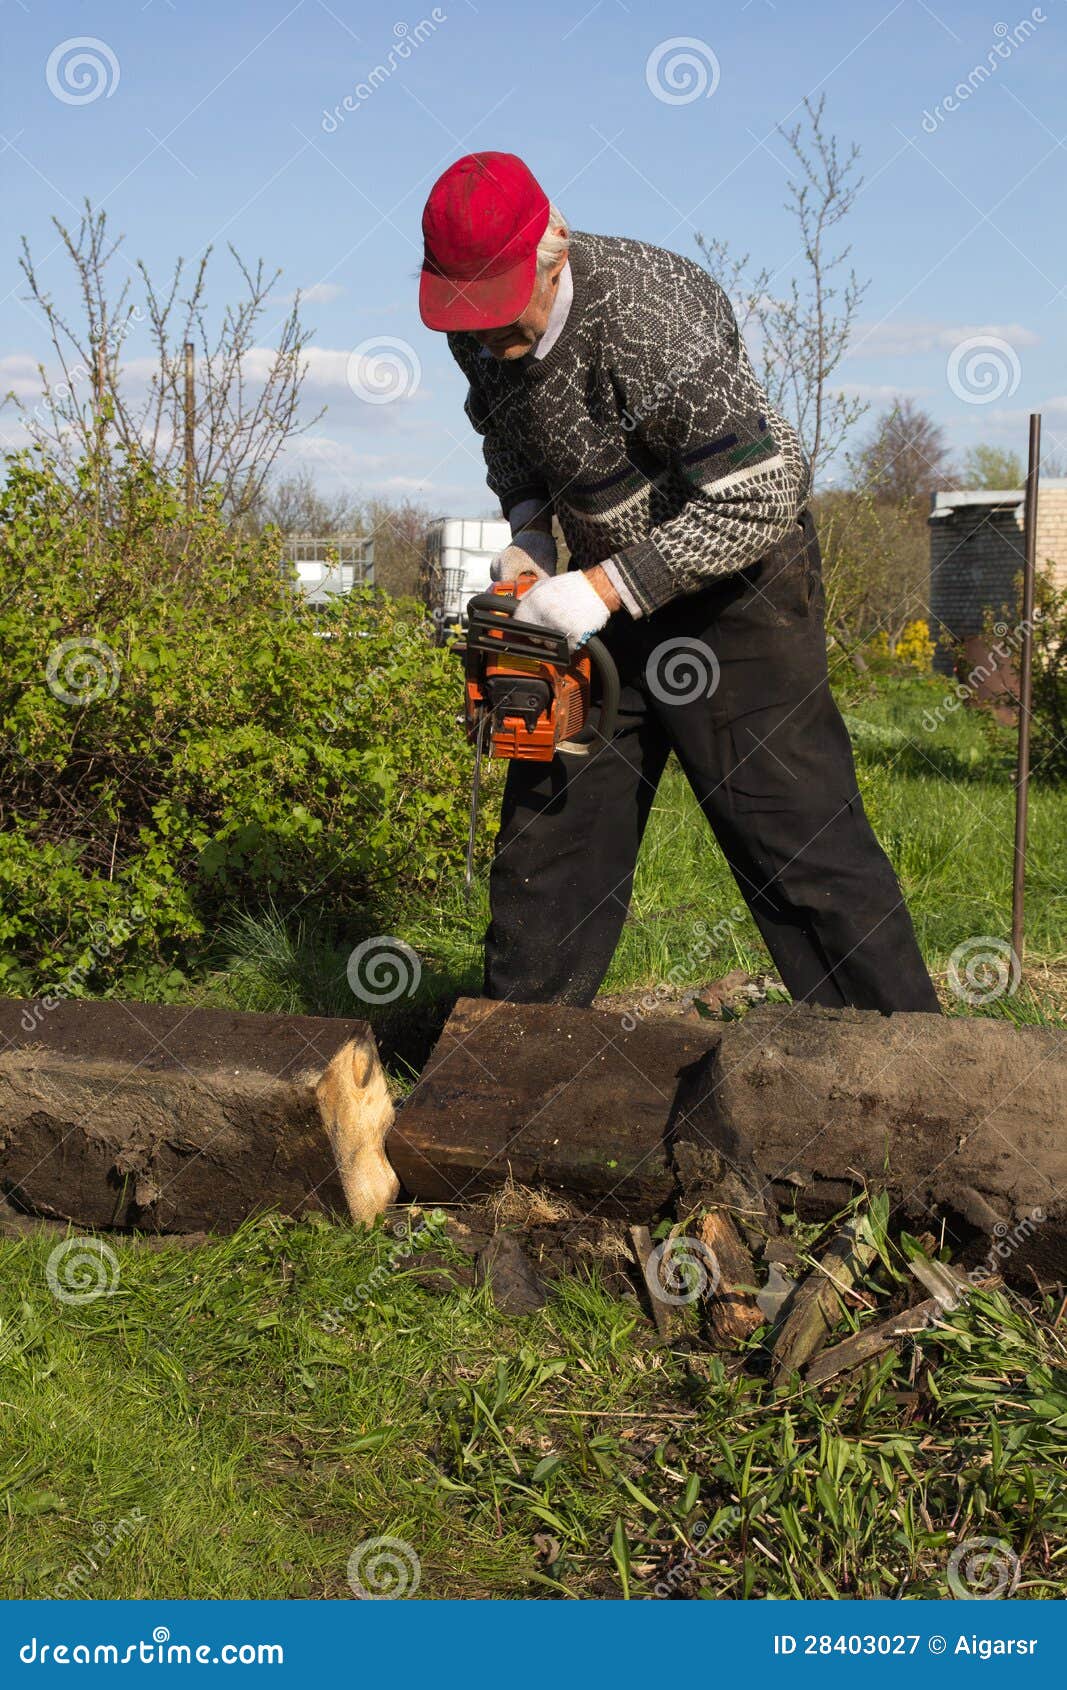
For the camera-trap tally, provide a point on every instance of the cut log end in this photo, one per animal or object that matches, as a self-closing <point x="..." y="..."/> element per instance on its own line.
<point x="357" y="1112"/>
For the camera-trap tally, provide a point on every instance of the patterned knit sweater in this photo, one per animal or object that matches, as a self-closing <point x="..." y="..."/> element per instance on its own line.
<point x="644" y="427"/>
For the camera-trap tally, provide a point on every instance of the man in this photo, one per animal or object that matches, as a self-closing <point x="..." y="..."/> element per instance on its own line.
<point x="612" y="390"/>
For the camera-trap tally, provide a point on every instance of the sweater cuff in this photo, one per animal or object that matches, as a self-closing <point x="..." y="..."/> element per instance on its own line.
<point x="533" y="493"/>
<point x="640" y="577"/>
<point x="622" y="587"/>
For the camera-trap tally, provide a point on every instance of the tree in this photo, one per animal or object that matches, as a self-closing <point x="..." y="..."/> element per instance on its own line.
<point x="876" y="566"/>
<point x="399" y="531"/>
<point x="905" y="458"/>
<point x="294" y="504"/>
<point x="801" y="336"/>
<point x="247" y="397"/>
<point x="992" y="467"/>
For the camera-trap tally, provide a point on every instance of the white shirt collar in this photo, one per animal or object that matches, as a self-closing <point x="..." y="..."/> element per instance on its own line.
<point x="558" y="315"/>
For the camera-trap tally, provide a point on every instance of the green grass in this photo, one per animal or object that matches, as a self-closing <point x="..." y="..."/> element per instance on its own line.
<point x="226" y="1426"/>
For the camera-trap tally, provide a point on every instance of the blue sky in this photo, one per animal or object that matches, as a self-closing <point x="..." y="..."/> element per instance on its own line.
<point x="224" y="122"/>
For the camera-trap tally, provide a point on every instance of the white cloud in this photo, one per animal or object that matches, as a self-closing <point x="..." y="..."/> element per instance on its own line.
<point x="907" y="339"/>
<point x="878" y="391"/>
<point x="19" y="375"/>
<point x="319" y="293"/>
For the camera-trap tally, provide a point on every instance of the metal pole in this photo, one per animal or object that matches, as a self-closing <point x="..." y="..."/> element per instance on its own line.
<point x="1022" y="767"/>
<point x="190" y="426"/>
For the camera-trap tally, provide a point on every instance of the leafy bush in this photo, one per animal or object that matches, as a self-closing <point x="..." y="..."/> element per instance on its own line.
<point x="184" y="739"/>
<point x="1049" y="722"/>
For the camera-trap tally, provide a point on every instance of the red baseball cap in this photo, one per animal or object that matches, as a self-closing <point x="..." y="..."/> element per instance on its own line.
<point x="481" y="228"/>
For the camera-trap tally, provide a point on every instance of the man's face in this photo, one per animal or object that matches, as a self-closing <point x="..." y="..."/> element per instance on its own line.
<point x="515" y="340"/>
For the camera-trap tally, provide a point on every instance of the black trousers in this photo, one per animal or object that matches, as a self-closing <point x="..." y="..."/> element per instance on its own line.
<point x="733" y="679"/>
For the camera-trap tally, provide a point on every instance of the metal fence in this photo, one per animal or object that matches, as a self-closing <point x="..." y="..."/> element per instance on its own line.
<point x="330" y="564"/>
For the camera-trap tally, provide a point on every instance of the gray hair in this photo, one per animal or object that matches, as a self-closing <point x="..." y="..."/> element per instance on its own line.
<point x="552" y="246"/>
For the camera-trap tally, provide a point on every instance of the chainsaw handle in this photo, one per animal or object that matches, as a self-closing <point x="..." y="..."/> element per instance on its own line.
<point x="604" y="664"/>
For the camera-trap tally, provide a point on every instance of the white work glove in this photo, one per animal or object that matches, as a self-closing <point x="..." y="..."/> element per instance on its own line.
<point x="532" y="552"/>
<point x="565" y="604"/>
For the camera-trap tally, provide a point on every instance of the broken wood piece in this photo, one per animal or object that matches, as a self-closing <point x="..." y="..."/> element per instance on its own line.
<point x="950" y="1288"/>
<point x="648" y="1262"/>
<point x="168" y="1119"/>
<point x="731" y="1308"/>
<point x="872" y="1341"/>
<point x="946" y="1283"/>
<point x="815" y="1307"/>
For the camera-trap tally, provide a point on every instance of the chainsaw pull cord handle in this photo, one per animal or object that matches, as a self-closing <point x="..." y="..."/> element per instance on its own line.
<point x="603" y="663"/>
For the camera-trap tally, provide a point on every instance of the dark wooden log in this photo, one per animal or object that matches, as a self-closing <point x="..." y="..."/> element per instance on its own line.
<point x="184" y="1120"/>
<point x="961" y="1119"/>
<point x="573" y="1099"/>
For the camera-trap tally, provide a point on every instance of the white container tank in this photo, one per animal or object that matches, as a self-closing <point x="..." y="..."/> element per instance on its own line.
<point x="459" y="550"/>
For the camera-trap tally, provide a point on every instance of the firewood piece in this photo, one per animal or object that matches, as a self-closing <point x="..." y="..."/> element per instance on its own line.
<point x="950" y="1288"/>
<point x="648" y="1262"/>
<point x="872" y="1341"/>
<point x="732" y="1311"/>
<point x="815" y="1306"/>
<point x="947" y="1284"/>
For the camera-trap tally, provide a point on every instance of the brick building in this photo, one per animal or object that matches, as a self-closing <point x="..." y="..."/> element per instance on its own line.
<point x="977" y="553"/>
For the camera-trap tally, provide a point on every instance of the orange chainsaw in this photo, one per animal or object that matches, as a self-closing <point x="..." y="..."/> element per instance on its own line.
<point x="526" y="693"/>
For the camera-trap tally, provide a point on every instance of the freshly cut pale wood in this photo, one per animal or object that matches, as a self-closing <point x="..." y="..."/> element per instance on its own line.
<point x="355" y="1106"/>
